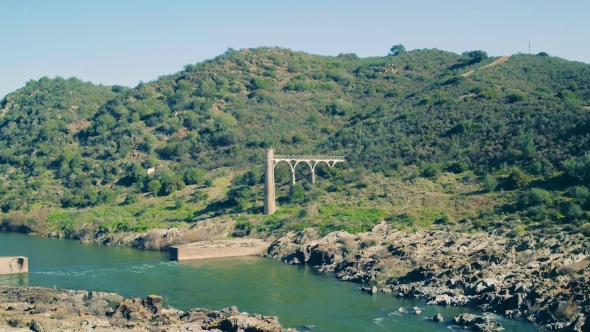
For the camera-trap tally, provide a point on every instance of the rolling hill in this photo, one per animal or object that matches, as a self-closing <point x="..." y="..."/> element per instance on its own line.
<point x="432" y="139"/>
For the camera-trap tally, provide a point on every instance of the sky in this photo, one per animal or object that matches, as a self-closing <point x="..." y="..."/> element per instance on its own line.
<point x="124" y="42"/>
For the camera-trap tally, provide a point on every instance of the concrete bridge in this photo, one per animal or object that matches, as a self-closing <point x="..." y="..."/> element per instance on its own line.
<point x="293" y="161"/>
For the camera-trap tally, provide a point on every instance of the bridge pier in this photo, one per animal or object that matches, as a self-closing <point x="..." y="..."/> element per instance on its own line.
<point x="292" y="176"/>
<point x="269" y="184"/>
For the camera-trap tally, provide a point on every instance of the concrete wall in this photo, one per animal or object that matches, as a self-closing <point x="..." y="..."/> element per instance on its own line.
<point x="15" y="264"/>
<point x="181" y="253"/>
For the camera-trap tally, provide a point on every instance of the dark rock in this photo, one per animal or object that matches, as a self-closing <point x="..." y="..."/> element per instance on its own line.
<point x="437" y="318"/>
<point x="36" y="326"/>
<point x="153" y="303"/>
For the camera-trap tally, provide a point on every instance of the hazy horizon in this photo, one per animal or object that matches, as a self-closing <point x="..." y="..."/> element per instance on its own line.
<point x="140" y="41"/>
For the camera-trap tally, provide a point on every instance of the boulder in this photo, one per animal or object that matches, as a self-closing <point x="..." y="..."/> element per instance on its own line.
<point x="153" y="303"/>
<point x="437" y="318"/>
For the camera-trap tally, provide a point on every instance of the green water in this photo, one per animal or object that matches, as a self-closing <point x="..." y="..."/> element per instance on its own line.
<point x="298" y="295"/>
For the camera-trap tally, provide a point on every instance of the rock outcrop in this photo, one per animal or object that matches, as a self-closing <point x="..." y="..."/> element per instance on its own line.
<point x="545" y="280"/>
<point x="44" y="309"/>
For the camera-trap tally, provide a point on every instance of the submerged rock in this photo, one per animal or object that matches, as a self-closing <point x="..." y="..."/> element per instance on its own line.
<point x="477" y="323"/>
<point x="437" y="318"/>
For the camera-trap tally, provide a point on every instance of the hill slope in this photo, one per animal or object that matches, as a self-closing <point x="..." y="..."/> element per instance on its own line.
<point x="75" y="156"/>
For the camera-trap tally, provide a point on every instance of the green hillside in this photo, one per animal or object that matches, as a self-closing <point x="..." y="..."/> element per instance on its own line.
<point x="431" y="140"/>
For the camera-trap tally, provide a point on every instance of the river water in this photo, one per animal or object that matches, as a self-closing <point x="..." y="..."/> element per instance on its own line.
<point x="299" y="295"/>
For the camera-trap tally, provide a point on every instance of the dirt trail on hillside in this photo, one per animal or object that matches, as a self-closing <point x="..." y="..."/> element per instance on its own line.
<point x="497" y="62"/>
<point x="586" y="107"/>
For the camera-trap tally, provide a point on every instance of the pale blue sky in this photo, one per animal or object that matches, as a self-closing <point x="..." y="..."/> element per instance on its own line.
<point x="124" y="42"/>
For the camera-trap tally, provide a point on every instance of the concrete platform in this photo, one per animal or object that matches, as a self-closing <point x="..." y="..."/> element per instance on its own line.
<point x="218" y="248"/>
<point x="14" y="264"/>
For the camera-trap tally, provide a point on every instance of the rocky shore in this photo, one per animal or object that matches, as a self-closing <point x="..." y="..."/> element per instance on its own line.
<point x="44" y="309"/>
<point x="546" y="280"/>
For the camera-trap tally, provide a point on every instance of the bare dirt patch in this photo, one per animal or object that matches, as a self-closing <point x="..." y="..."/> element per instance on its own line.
<point x="502" y="59"/>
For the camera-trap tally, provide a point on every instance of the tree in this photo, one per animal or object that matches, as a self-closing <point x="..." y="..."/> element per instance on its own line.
<point x="578" y="168"/>
<point x="250" y="178"/>
<point x="527" y="146"/>
<point x="516" y="97"/>
<point x="476" y="56"/>
<point x="489" y="183"/>
<point x="169" y="181"/>
<point x="154" y="186"/>
<point x="537" y="196"/>
<point x="397" y="50"/>
<point x="240" y="196"/>
<point x="136" y="173"/>
<point x="517" y="179"/>
<point x="179" y="202"/>
<point x="431" y="171"/>
<point x="131" y="199"/>
<point x="194" y="176"/>
<point x="296" y="193"/>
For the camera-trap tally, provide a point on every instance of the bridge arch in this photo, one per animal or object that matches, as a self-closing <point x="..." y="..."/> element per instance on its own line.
<point x="293" y="161"/>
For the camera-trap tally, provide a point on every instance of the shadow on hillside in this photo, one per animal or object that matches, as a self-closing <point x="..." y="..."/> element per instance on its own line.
<point x="464" y="63"/>
<point x="581" y="129"/>
<point x="558" y="183"/>
<point x="213" y="209"/>
<point x="459" y="65"/>
<point x="473" y="193"/>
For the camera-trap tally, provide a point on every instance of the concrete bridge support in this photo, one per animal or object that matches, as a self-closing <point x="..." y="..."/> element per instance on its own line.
<point x="269" y="184"/>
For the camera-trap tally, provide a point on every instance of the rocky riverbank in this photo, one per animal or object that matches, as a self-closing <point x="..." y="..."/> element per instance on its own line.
<point x="44" y="309"/>
<point x="154" y="239"/>
<point x="546" y="280"/>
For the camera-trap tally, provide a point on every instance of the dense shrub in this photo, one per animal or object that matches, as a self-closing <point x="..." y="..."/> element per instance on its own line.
<point x="489" y="183"/>
<point x="517" y="179"/>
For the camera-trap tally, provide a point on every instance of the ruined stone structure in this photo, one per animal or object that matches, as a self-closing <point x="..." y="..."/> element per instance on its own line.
<point x="218" y="248"/>
<point x="14" y="264"/>
<point x="269" y="175"/>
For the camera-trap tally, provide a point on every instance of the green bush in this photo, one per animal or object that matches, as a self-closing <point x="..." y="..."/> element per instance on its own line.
<point x="262" y="83"/>
<point x="489" y="183"/>
<point x="578" y="168"/>
<point x="242" y="228"/>
<point x="194" y="176"/>
<point x="179" y="202"/>
<point x="131" y="199"/>
<point x="241" y="196"/>
<point x="459" y="167"/>
<point x="575" y="212"/>
<point x="516" y="97"/>
<point x="536" y="196"/>
<point x="296" y="193"/>
<point x="154" y="186"/>
<point x="444" y="220"/>
<point x="431" y="171"/>
<point x="580" y="194"/>
<point x="517" y="179"/>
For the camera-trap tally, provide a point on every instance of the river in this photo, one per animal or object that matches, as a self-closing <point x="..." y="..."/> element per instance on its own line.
<point x="298" y="295"/>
